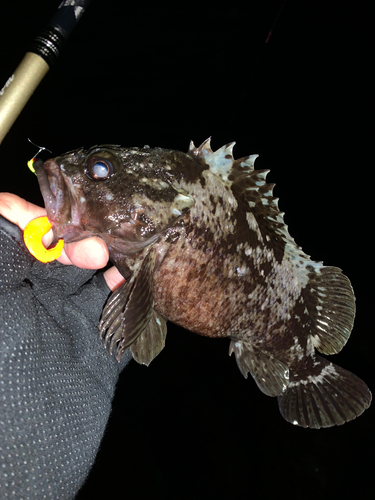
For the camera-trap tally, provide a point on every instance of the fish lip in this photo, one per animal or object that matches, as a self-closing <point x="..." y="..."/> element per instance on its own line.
<point x="60" y="200"/>
<point x="55" y="195"/>
<point x="49" y="197"/>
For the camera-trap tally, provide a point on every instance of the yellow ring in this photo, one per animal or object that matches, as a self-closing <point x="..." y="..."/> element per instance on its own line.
<point x="32" y="236"/>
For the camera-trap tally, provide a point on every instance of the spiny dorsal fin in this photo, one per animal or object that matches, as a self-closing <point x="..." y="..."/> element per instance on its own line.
<point x="221" y="161"/>
<point x="245" y="181"/>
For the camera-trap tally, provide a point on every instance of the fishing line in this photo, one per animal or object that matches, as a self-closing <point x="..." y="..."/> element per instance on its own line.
<point x="257" y="61"/>
<point x="41" y="148"/>
<point x="30" y="163"/>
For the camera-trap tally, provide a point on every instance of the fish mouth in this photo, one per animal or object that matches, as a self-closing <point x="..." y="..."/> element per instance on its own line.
<point x="58" y="201"/>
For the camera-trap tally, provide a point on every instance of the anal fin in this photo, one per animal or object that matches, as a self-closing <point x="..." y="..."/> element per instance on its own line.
<point x="324" y="396"/>
<point x="270" y="374"/>
<point x="151" y="341"/>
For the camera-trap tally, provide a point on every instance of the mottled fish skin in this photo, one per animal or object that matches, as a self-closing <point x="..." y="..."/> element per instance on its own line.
<point x="202" y="243"/>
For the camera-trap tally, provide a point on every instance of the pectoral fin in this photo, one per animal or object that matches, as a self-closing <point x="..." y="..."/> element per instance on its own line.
<point x="270" y="374"/>
<point x="129" y="308"/>
<point x="151" y="341"/>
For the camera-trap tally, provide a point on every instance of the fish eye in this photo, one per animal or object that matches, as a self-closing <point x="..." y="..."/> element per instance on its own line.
<point x="99" y="169"/>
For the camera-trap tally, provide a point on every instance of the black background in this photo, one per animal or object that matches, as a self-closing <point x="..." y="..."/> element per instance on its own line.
<point x="163" y="73"/>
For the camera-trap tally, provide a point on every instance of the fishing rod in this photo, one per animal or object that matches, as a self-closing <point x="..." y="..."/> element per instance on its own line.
<point x="44" y="51"/>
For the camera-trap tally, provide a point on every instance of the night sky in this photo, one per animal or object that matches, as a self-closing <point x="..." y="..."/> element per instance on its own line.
<point x="164" y="73"/>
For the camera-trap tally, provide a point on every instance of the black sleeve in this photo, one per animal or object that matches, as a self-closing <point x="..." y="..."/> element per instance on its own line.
<point x="56" y="379"/>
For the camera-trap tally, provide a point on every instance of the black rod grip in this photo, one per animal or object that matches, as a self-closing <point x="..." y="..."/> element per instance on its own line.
<point x="49" y="42"/>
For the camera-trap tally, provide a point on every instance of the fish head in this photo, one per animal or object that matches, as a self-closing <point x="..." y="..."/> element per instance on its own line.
<point x="126" y="196"/>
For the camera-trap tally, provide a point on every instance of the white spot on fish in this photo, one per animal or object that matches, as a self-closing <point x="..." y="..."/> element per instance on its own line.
<point x="242" y="271"/>
<point x="181" y="197"/>
<point x="161" y="184"/>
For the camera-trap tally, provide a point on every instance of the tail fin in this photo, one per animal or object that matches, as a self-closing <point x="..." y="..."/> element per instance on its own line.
<point x="327" y="396"/>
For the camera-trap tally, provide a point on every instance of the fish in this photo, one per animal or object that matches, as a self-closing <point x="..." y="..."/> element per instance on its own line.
<point x="201" y="242"/>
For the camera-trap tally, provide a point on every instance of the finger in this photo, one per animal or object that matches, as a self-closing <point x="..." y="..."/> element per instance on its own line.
<point x="18" y="210"/>
<point x="113" y="278"/>
<point x="90" y="253"/>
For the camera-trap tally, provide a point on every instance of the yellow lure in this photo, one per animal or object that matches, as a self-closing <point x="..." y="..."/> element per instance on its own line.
<point x="32" y="236"/>
<point x="30" y="164"/>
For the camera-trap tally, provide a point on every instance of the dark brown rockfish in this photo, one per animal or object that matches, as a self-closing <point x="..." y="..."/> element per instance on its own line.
<point x="202" y="243"/>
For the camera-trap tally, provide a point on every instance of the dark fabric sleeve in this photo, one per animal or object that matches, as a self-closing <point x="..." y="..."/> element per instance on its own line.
<point x="56" y="379"/>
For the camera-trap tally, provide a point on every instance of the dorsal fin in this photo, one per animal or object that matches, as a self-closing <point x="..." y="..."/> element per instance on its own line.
<point x="245" y="181"/>
<point x="221" y="161"/>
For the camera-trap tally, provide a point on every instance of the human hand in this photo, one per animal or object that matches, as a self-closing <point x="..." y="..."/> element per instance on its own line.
<point x="90" y="253"/>
<point x="58" y="380"/>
